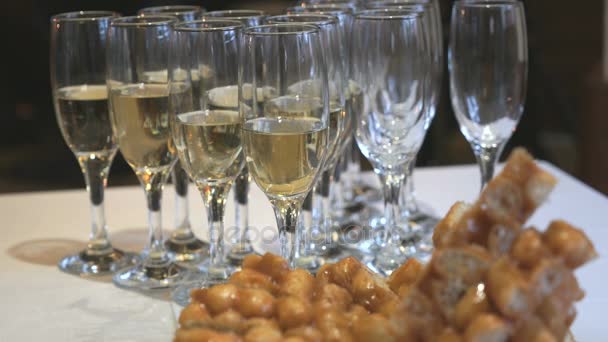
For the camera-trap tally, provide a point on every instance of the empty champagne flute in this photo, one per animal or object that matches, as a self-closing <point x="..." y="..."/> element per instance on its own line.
<point x="182" y="245"/>
<point x="488" y="63"/>
<point x="140" y="121"/>
<point x="420" y="213"/>
<point x="227" y="97"/>
<point x="420" y="219"/>
<point x="181" y="12"/>
<point x="285" y="128"/>
<point x="391" y="63"/>
<point x="247" y="17"/>
<point x="78" y="81"/>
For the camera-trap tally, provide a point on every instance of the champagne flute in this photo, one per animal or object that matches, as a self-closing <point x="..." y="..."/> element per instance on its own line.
<point x="247" y="17"/>
<point x="285" y="130"/>
<point x="78" y="45"/>
<point x="227" y="97"/>
<point x="207" y="138"/>
<point x="391" y="63"/>
<point x="422" y="221"/>
<point x="323" y="246"/>
<point x="181" y="12"/>
<point x="183" y="245"/>
<point x="488" y="63"/>
<point x="140" y="120"/>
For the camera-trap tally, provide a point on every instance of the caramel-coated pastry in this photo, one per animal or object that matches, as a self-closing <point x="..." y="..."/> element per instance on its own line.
<point x="570" y="243"/>
<point x="489" y="279"/>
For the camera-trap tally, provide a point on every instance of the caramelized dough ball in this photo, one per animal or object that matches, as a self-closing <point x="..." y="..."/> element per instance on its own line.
<point x="293" y="312"/>
<point x="468" y="263"/>
<point x="273" y="265"/>
<point x="333" y="325"/>
<point x="332" y="296"/>
<point x="356" y="313"/>
<point x="508" y="289"/>
<point x="202" y="334"/>
<point x="343" y="272"/>
<point x="193" y="312"/>
<point x="487" y="327"/>
<point x="248" y="278"/>
<point x="256" y="303"/>
<point x="199" y="295"/>
<point x="532" y="329"/>
<point x="230" y="319"/>
<point x="259" y="322"/>
<point x="449" y="232"/>
<point x="294" y="339"/>
<point x="299" y="283"/>
<point x="370" y="290"/>
<point x="251" y="261"/>
<point x="323" y="276"/>
<point x="472" y="304"/>
<point x="569" y="243"/>
<point x="374" y="328"/>
<point x="221" y="297"/>
<point x="308" y="333"/>
<point x="407" y="274"/>
<point x="448" y="335"/>
<point x="503" y="201"/>
<point x="501" y="238"/>
<point x="528" y="248"/>
<point x="263" y="334"/>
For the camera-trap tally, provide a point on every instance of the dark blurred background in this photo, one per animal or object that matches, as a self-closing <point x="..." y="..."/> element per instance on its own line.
<point x="564" y="120"/>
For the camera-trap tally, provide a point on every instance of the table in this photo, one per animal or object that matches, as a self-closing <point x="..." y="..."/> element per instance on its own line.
<point x="38" y="302"/>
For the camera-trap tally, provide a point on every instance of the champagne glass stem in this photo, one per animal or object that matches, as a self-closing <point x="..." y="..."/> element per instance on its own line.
<point x="96" y="171"/>
<point x="241" y="196"/>
<point x="391" y="187"/>
<point x="153" y="187"/>
<point x="320" y="208"/>
<point x="308" y="242"/>
<point x="410" y="203"/>
<point x="287" y="212"/>
<point x="487" y="157"/>
<point x="391" y="255"/>
<point x="182" y="223"/>
<point x="214" y="198"/>
<point x="336" y="189"/>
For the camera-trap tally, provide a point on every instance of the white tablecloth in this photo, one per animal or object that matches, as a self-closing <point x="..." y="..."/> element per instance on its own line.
<point x="38" y="302"/>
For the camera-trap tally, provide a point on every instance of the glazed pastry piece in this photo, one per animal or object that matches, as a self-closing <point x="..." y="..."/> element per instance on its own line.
<point x="489" y="279"/>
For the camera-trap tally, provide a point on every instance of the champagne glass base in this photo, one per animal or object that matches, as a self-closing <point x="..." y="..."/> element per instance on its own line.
<point x="191" y="251"/>
<point x="388" y="261"/>
<point x="193" y="281"/>
<point x="238" y="252"/>
<point x="143" y="277"/>
<point x="85" y="263"/>
<point x="311" y="263"/>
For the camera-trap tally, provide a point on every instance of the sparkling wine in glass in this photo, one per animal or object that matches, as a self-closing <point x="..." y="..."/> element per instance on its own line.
<point x="227" y="97"/>
<point x="285" y="138"/>
<point x="182" y="244"/>
<point x="488" y="63"/>
<point x="78" y="69"/>
<point x="391" y="63"/>
<point x="139" y="112"/>
<point x="317" y="233"/>
<point x="208" y="138"/>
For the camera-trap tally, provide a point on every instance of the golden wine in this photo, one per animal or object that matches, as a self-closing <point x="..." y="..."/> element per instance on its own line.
<point x="209" y="144"/>
<point x="82" y="115"/>
<point x="284" y="154"/>
<point x="294" y="106"/>
<point x="140" y="121"/>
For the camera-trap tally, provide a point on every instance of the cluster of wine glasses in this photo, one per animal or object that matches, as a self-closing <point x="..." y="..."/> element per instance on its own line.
<point x="220" y="98"/>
